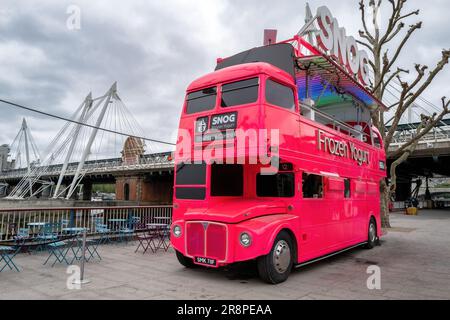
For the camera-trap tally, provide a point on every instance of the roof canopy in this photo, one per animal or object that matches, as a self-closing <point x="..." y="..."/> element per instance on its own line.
<point x="280" y="55"/>
<point x="328" y="83"/>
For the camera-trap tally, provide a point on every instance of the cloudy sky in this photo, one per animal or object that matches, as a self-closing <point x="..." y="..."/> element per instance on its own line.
<point x="153" y="49"/>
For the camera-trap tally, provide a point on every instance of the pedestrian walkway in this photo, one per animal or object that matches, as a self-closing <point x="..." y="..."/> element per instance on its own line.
<point x="414" y="260"/>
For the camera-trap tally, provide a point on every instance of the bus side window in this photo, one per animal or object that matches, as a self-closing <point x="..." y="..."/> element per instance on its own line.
<point x="280" y="95"/>
<point x="347" y="190"/>
<point x="312" y="186"/>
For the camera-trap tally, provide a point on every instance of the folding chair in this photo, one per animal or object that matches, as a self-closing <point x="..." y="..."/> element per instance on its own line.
<point x="48" y="232"/>
<point x="161" y="233"/>
<point x="146" y="240"/>
<point x="103" y="230"/>
<point x="7" y="255"/>
<point x="65" y="223"/>
<point x="21" y="237"/>
<point x="127" y="232"/>
<point x="59" y="250"/>
<point x="91" y="249"/>
<point x="164" y="238"/>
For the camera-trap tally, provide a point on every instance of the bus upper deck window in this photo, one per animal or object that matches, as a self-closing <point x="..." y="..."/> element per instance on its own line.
<point x="280" y="95"/>
<point x="312" y="186"/>
<point x="201" y="100"/>
<point x="240" y="92"/>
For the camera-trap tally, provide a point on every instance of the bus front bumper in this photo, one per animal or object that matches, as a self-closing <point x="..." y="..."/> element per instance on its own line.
<point x="215" y="244"/>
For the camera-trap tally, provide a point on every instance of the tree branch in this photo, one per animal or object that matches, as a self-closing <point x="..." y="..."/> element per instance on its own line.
<point x="391" y="77"/>
<point x="366" y="32"/>
<point x="409" y="14"/>
<point x="440" y="65"/>
<point x="411" y="30"/>
<point x="396" y="9"/>
<point x="400" y="26"/>
<point x="365" y="45"/>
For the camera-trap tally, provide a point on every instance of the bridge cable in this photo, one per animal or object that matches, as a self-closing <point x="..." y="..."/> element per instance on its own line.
<point x="81" y="123"/>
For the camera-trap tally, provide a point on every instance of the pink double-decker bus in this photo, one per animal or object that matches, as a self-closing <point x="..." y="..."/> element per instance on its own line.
<point x="318" y="194"/>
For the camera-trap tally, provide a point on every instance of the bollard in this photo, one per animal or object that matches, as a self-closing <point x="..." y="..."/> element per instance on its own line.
<point x="82" y="261"/>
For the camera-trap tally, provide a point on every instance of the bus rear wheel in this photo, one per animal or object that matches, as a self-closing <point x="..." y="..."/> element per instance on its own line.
<point x="185" y="261"/>
<point x="276" y="266"/>
<point x="372" y="234"/>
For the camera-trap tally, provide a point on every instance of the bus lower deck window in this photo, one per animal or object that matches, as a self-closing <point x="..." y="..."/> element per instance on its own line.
<point x="279" y="185"/>
<point x="312" y="186"/>
<point x="227" y="180"/>
<point x="347" y="192"/>
<point x="187" y="193"/>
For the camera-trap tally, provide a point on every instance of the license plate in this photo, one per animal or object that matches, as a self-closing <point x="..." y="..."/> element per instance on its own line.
<point x="206" y="261"/>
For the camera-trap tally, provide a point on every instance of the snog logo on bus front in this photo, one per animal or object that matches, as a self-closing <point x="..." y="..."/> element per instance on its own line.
<point x="342" y="148"/>
<point x="224" y="121"/>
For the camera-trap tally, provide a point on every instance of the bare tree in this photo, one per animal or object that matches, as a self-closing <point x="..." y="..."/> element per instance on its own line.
<point x="384" y="65"/>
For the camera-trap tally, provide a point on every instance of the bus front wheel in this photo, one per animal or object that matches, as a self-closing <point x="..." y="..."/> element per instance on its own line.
<point x="185" y="261"/>
<point x="372" y="234"/>
<point x="276" y="266"/>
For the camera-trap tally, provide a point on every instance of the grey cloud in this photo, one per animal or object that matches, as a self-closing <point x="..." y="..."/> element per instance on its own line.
<point x="154" y="50"/>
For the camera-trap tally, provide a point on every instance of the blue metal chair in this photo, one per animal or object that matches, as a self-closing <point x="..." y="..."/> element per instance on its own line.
<point x="103" y="230"/>
<point x="59" y="251"/>
<point x="22" y="235"/>
<point x="48" y="232"/>
<point x="65" y="223"/>
<point x="7" y="255"/>
<point x="127" y="232"/>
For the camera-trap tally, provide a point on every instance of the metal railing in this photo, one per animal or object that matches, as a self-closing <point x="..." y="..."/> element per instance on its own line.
<point x="13" y="219"/>
<point x="153" y="161"/>
<point x="439" y="134"/>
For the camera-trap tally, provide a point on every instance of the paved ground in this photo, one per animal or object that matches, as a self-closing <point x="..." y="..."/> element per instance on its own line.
<point x="414" y="259"/>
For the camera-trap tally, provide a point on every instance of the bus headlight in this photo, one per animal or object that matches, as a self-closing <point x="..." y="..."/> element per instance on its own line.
<point x="176" y="231"/>
<point x="245" y="239"/>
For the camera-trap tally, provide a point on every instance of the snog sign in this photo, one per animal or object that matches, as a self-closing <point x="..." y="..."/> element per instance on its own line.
<point x="333" y="39"/>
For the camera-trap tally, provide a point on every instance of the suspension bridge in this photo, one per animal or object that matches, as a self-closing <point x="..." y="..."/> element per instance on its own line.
<point x="84" y="152"/>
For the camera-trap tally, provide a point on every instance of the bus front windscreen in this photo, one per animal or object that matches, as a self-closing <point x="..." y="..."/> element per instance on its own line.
<point x="240" y="92"/>
<point x="201" y="100"/>
<point x="191" y="174"/>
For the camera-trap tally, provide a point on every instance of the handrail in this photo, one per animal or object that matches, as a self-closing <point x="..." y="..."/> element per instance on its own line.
<point x="13" y="219"/>
<point x="332" y="119"/>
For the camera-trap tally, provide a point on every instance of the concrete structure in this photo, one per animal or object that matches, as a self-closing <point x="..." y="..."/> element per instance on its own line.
<point x="431" y="157"/>
<point x="414" y="261"/>
<point x="4" y="153"/>
<point x="150" y="177"/>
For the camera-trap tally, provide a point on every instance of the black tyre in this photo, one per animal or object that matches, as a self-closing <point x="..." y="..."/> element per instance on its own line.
<point x="277" y="265"/>
<point x="372" y="234"/>
<point x="185" y="261"/>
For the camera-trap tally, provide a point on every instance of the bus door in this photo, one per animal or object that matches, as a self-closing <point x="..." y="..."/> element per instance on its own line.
<point x="314" y="216"/>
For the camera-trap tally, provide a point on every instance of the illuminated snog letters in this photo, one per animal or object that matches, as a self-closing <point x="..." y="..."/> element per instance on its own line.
<point x="334" y="39"/>
<point x="341" y="148"/>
